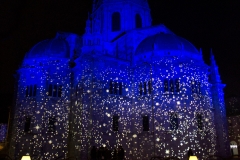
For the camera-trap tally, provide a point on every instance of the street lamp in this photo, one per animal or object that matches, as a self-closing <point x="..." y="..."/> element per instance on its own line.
<point x="26" y="157"/>
<point x="193" y="158"/>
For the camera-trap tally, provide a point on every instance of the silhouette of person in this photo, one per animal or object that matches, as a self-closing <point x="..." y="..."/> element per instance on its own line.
<point x="190" y="153"/>
<point x="94" y="153"/>
<point x="115" y="152"/>
<point x="120" y="153"/>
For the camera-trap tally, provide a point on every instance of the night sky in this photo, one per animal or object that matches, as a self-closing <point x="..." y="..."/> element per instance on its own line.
<point x="207" y="24"/>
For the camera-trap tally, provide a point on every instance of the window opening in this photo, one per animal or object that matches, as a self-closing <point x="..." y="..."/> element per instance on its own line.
<point x="55" y="90"/>
<point x="51" y="124"/>
<point x="59" y="91"/>
<point x="115" y="88"/>
<point x="173" y="121"/>
<point x="138" y="21"/>
<point x="140" y="89"/>
<point x="199" y="121"/>
<point x="31" y="91"/>
<point x="177" y="82"/>
<point x="171" y="86"/>
<point x="115" y="123"/>
<point x="165" y="85"/>
<point x="196" y="87"/>
<point x="149" y="87"/>
<point x="27" y="88"/>
<point x="193" y="87"/>
<point x="34" y="90"/>
<point x="50" y="90"/>
<point x="120" y="88"/>
<point x="116" y="21"/>
<point x="27" y="124"/>
<point x="145" y="123"/>
<point x="145" y="88"/>
<point x="111" y="87"/>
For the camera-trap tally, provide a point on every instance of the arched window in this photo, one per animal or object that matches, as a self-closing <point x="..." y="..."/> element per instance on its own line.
<point x="116" y="21"/>
<point x="138" y="21"/>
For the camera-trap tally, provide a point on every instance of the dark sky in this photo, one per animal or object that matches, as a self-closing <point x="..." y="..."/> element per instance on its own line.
<point x="207" y="24"/>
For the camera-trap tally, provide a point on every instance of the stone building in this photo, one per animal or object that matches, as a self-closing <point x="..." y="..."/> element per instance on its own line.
<point x="123" y="83"/>
<point x="233" y="116"/>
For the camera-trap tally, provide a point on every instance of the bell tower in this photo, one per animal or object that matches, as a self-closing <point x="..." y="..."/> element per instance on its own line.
<point x="112" y="18"/>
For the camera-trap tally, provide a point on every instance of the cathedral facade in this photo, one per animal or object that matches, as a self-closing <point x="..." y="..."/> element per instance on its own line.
<point x="123" y="83"/>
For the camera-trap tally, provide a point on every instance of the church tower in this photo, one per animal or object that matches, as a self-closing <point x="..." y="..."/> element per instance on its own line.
<point x="112" y="18"/>
<point x="219" y="110"/>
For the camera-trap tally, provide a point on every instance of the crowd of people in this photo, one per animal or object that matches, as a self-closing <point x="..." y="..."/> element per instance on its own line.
<point x="103" y="153"/>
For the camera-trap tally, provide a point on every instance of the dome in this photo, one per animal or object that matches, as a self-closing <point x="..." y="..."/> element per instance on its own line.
<point x="165" y="42"/>
<point x="56" y="47"/>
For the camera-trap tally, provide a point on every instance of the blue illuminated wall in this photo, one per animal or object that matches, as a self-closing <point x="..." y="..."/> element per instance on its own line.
<point x="124" y="82"/>
<point x="3" y="132"/>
